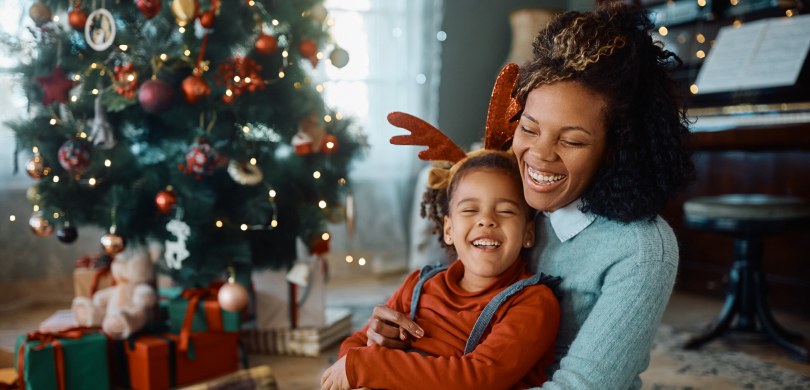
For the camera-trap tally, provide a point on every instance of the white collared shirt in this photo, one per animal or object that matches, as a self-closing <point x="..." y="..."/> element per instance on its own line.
<point x="569" y="221"/>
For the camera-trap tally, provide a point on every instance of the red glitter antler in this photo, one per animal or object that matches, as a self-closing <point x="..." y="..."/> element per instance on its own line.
<point x="502" y="107"/>
<point x="422" y="133"/>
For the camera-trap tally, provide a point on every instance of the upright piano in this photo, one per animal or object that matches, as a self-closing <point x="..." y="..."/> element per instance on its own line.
<point x="748" y="138"/>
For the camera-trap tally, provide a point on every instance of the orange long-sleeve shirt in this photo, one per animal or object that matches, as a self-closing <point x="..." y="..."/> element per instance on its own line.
<point x="513" y="353"/>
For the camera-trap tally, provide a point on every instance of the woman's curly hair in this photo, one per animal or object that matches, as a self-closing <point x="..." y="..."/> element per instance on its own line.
<point x="610" y="51"/>
<point x="436" y="202"/>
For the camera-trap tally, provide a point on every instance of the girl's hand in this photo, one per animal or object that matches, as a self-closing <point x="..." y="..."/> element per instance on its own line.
<point x="334" y="378"/>
<point x="391" y="329"/>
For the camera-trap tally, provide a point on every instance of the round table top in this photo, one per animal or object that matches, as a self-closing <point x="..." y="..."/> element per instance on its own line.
<point x="747" y="207"/>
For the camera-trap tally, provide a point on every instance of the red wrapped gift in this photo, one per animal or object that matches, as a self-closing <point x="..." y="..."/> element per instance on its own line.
<point x="157" y="361"/>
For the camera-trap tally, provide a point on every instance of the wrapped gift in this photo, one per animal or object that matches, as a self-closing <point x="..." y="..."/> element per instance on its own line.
<point x="91" y="274"/>
<point x="255" y="378"/>
<point x="199" y="307"/>
<point x="72" y="359"/>
<point x="294" y="299"/>
<point x="162" y="361"/>
<point x="300" y="341"/>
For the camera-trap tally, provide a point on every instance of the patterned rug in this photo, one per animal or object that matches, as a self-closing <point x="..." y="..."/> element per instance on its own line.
<point x="715" y="366"/>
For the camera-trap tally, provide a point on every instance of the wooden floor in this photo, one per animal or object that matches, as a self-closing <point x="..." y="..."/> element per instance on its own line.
<point x="685" y="311"/>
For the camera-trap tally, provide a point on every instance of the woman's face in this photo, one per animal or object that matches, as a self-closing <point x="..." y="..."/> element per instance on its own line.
<point x="559" y="143"/>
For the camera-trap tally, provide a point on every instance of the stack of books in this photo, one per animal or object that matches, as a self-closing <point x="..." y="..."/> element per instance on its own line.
<point x="300" y="341"/>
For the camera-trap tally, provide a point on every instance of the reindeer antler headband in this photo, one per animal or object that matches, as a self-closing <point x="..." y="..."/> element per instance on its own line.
<point x="499" y="130"/>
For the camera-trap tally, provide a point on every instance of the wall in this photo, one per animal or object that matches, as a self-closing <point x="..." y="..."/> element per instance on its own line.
<point x="477" y="45"/>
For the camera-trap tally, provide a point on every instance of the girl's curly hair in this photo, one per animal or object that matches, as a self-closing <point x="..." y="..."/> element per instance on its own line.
<point x="610" y="51"/>
<point x="436" y="202"/>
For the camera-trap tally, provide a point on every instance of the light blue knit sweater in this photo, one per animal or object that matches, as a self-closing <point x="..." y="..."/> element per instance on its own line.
<point x="616" y="282"/>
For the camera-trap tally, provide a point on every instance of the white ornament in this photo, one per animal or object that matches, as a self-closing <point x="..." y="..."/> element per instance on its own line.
<point x="99" y="30"/>
<point x="102" y="132"/>
<point x="176" y="251"/>
<point x="245" y="174"/>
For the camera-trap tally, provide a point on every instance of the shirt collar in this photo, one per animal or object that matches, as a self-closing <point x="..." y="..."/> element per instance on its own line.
<point x="568" y="221"/>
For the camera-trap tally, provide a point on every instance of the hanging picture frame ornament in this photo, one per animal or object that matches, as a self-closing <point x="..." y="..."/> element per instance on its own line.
<point x="99" y="31"/>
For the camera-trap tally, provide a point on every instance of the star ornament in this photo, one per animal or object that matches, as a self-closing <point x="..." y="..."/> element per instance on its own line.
<point x="56" y="86"/>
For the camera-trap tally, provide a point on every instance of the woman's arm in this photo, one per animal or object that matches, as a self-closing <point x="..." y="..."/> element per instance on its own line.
<point x="512" y="348"/>
<point x="612" y="347"/>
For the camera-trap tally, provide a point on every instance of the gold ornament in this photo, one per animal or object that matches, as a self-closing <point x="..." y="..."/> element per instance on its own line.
<point x="40" y="13"/>
<point x="40" y="225"/>
<point x="112" y="244"/>
<point x="232" y="296"/>
<point x="36" y="167"/>
<point x="318" y="13"/>
<point x="185" y="11"/>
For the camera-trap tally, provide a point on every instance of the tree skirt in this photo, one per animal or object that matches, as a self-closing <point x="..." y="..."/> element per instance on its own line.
<point x="716" y="366"/>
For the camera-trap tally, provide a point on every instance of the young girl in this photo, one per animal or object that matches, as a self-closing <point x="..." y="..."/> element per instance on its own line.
<point x="479" y="205"/>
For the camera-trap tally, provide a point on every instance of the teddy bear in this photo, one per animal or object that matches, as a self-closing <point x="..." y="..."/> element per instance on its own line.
<point x="127" y="306"/>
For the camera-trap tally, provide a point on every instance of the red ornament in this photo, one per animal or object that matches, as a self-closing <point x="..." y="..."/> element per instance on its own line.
<point x="195" y="88"/>
<point x="74" y="155"/>
<point x="155" y="96"/>
<point x="207" y="18"/>
<point x="266" y="44"/>
<point x="319" y="246"/>
<point x="165" y="200"/>
<point x="241" y="75"/>
<point x="77" y="18"/>
<point x="149" y="8"/>
<point x="125" y="80"/>
<point x="309" y="50"/>
<point x="330" y="144"/>
<point x="201" y="159"/>
<point x="55" y="86"/>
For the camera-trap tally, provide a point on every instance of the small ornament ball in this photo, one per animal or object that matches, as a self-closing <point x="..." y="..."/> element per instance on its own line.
<point x="155" y="96"/>
<point x="339" y="57"/>
<point x="112" y="244"/>
<point x="40" y="225"/>
<point x="36" y="167"/>
<point x="74" y="155"/>
<point x="207" y="18"/>
<point x="266" y="44"/>
<point x="201" y="158"/>
<point x="40" y="13"/>
<point x="67" y="234"/>
<point x="232" y="296"/>
<point x="309" y="50"/>
<point x="165" y="200"/>
<point x="149" y="8"/>
<point x="195" y="88"/>
<point x="77" y="18"/>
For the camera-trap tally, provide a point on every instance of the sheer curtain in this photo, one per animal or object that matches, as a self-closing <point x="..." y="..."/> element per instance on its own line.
<point x="395" y="48"/>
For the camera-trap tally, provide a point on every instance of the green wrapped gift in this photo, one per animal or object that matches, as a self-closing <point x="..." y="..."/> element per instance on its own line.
<point x="208" y="316"/>
<point x="72" y="359"/>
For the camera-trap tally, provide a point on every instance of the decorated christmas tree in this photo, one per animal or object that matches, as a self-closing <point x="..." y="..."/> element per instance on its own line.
<point x="193" y="123"/>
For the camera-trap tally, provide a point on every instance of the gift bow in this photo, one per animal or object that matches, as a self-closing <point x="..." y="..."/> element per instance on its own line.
<point x="51" y="339"/>
<point x="193" y="296"/>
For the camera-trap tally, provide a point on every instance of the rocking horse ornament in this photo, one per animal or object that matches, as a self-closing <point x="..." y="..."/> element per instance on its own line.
<point x="500" y="128"/>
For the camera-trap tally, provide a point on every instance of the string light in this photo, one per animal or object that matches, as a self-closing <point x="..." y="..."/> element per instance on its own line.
<point x="253" y="161"/>
<point x="247" y="80"/>
<point x="737" y="23"/>
<point x="734" y="2"/>
<point x="700" y="54"/>
<point x="694" y="89"/>
<point x="107" y="163"/>
<point x="319" y="88"/>
<point x="12" y="218"/>
<point x="74" y="98"/>
<point x="91" y="181"/>
<point x="284" y="53"/>
<point x="316" y="174"/>
<point x="281" y="74"/>
<point x="362" y="261"/>
<point x="663" y="31"/>
<point x="77" y="77"/>
<point x="322" y="204"/>
<point x="701" y="3"/>
<point x="237" y="79"/>
<point x="327" y="118"/>
<point x="349" y="259"/>
<point x="325" y="236"/>
<point x="244" y="227"/>
<point x="251" y="3"/>
<point x="94" y="65"/>
<point x="56" y="18"/>
<point x="700" y="38"/>
<point x="338" y="116"/>
<point x="35" y="150"/>
<point x="163" y="57"/>
<point x="94" y="91"/>
<point x="228" y="92"/>
<point x="272" y="194"/>
<point x="82" y="135"/>
<point x="36" y="207"/>
<point x="56" y="179"/>
<point x="274" y="223"/>
<point x="789" y="13"/>
<point x="123" y="47"/>
<point x="55" y="215"/>
<point x="218" y="224"/>
<point x="342" y="181"/>
<point x="52" y="121"/>
<point x="274" y="22"/>
<point x="182" y="30"/>
<point x="330" y="144"/>
<point x="245" y="129"/>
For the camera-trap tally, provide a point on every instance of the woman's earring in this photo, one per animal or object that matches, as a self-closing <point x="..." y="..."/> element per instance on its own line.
<point x="448" y="239"/>
<point x="527" y="244"/>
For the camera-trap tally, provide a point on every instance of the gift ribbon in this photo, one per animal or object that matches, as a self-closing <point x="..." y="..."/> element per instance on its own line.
<point x="212" y="313"/>
<point x="51" y="339"/>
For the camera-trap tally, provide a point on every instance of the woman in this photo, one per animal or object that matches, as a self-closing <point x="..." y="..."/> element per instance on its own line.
<point x="601" y="148"/>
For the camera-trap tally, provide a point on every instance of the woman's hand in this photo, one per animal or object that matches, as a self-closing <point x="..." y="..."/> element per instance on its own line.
<point x="392" y="329"/>
<point x="334" y="378"/>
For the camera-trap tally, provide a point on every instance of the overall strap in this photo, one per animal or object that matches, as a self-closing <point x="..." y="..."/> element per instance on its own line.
<point x="482" y="323"/>
<point x="426" y="273"/>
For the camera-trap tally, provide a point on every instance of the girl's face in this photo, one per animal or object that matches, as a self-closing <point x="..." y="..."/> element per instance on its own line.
<point x="487" y="225"/>
<point x="559" y="143"/>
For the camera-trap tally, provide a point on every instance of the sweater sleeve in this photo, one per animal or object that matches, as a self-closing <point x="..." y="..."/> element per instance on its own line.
<point x="514" y="345"/>
<point x="398" y="301"/>
<point x="612" y="347"/>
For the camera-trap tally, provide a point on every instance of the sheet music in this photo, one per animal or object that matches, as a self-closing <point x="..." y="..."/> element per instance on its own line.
<point x="761" y="54"/>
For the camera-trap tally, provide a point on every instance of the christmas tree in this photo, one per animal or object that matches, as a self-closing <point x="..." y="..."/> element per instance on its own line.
<point x="197" y="124"/>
